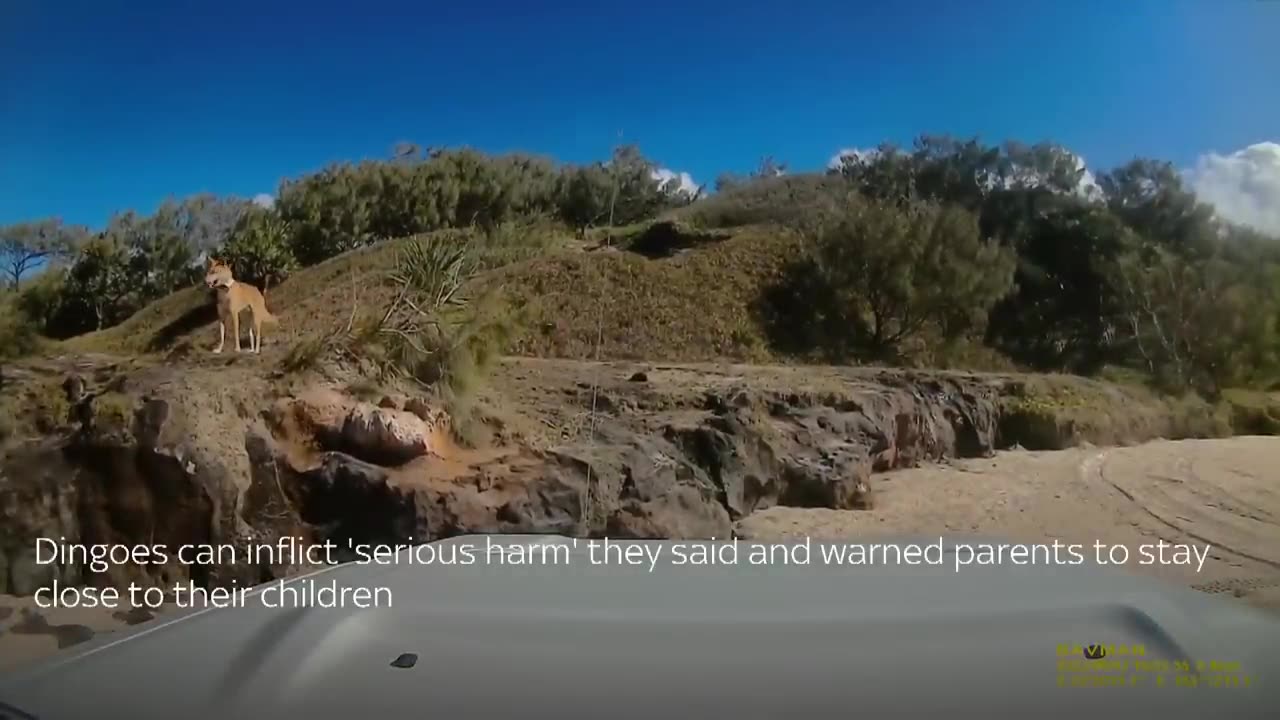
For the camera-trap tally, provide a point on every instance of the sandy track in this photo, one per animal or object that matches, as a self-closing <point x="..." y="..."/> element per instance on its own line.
<point x="1223" y="493"/>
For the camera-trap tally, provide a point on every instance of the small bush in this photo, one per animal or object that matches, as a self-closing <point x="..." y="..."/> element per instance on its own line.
<point x="439" y="330"/>
<point x="793" y="201"/>
<point x="19" y="334"/>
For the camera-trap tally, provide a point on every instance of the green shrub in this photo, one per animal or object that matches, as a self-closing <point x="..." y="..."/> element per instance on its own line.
<point x="439" y="329"/>
<point x="258" y="249"/>
<point x="878" y="276"/>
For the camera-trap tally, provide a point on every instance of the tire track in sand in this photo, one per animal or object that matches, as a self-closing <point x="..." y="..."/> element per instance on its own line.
<point x="1147" y="492"/>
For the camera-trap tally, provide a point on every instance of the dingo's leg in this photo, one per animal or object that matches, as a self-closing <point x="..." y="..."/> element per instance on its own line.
<point x="235" y="329"/>
<point x="252" y="337"/>
<point x="222" y="337"/>
<point x="257" y="324"/>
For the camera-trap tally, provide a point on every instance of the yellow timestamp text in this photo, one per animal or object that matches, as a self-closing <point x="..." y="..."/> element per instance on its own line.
<point x="1159" y="681"/>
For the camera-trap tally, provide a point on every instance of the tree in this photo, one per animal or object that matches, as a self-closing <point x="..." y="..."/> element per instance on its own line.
<point x="100" y="288"/>
<point x="26" y="246"/>
<point x="880" y="274"/>
<point x="953" y="171"/>
<point x="160" y="258"/>
<point x="886" y="173"/>
<point x="638" y="191"/>
<point x="203" y="221"/>
<point x="1058" y="317"/>
<point x="1150" y="197"/>
<point x="1204" y="323"/>
<point x="329" y="211"/>
<point x="40" y="298"/>
<point x="586" y="196"/>
<point x="1043" y="166"/>
<point x="258" y="249"/>
<point x="770" y="168"/>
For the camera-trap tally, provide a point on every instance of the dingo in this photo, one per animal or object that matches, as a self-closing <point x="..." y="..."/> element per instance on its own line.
<point x="233" y="298"/>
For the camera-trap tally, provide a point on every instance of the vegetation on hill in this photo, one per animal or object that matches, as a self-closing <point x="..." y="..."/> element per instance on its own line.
<point x="951" y="252"/>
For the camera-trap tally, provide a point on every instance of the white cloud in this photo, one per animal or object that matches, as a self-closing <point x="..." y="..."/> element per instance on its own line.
<point x="1244" y="186"/>
<point x="264" y="200"/>
<point x="686" y="186"/>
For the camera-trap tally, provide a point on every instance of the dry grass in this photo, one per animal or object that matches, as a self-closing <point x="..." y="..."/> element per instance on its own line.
<point x="1053" y="412"/>
<point x="113" y="410"/>
<point x="36" y="407"/>
<point x="693" y="306"/>
<point x="310" y="302"/>
<point x="1253" y="412"/>
<point x="18" y="334"/>
<point x="141" y="332"/>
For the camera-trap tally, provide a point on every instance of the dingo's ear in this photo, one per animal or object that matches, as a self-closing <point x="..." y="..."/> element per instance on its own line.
<point x="212" y="262"/>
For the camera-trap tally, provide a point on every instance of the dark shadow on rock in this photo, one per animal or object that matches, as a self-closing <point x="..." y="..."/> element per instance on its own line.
<point x="134" y="616"/>
<point x="184" y="324"/>
<point x="350" y="501"/>
<point x="33" y="623"/>
<point x="665" y="239"/>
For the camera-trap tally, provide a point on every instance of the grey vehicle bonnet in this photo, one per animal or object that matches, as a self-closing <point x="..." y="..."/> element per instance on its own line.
<point x="665" y="638"/>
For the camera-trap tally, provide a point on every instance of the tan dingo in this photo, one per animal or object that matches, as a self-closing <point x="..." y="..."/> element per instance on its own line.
<point x="233" y="298"/>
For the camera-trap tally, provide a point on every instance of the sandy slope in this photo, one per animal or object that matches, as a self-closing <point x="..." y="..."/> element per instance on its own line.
<point x="1224" y="493"/>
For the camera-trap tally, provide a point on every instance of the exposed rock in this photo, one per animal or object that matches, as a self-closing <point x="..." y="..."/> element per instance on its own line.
<point x="321" y="411"/>
<point x="168" y="471"/>
<point x="134" y="615"/>
<point x="74" y="387"/>
<point x="421" y="408"/>
<point x="639" y="486"/>
<point x="349" y="501"/>
<point x="26" y="575"/>
<point x="39" y="498"/>
<point x="388" y="437"/>
<point x="379" y="434"/>
<point x="33" y="623"/>
<point x="217" y="461"/>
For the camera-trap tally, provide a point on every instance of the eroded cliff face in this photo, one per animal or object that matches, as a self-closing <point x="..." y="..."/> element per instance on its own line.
<point x="222" y="456"/>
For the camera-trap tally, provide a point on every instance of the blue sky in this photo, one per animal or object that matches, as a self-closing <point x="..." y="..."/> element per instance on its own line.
<point x="114" y="105"/>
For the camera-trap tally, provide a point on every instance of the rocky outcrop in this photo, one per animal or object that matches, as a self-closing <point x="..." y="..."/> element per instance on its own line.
<point x="115" y="487"/>
<point x="165" y="462"/>
<point x="380" y="433"/>
<point x="819" y="451"/>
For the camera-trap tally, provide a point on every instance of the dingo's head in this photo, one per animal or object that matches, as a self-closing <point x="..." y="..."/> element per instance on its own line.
<point x="218" y="274"/>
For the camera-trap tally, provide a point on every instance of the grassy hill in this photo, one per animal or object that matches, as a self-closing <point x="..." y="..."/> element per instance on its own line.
<point x="659" y="292"/>
<point x="654" y="291"/>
